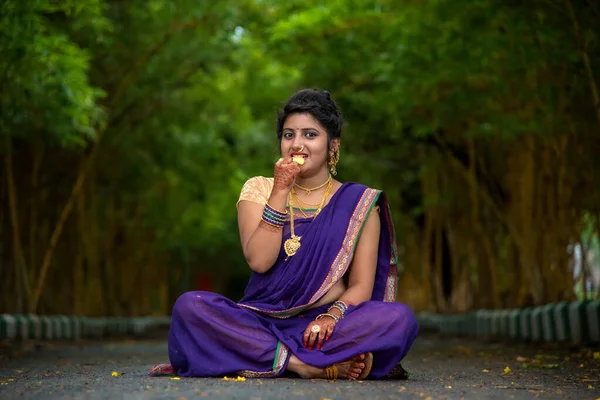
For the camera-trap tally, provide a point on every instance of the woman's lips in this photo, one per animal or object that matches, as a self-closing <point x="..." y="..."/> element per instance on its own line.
<point x="296" y="154"/>
<point x="299" y="158"/>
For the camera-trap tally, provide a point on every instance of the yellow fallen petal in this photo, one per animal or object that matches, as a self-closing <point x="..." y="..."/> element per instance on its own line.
<point x="175" y="378"/>
<point x="448" y="387"/>
<point x="507" y="370"/>
<point x="597" y="355"/>
<point x="486" y="370"/>
<point x="115" y="373"/>
<point x="241" y="378"/>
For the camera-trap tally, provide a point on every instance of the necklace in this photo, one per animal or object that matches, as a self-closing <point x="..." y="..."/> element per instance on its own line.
<point x="301" y="204"/>
<point x="308" y="190"/>
<point x="291" y="245"/>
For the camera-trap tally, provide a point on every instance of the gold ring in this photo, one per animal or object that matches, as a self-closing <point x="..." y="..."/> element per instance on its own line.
<point x="315" y="329"/>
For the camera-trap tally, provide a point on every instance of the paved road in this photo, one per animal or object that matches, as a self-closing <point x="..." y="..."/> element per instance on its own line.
<point x="441" y="368"/>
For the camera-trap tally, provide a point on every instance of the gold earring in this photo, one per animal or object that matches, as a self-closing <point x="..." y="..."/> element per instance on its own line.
<point x="334" y="158"/>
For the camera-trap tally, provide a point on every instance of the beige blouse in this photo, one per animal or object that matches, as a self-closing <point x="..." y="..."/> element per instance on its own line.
<point x="256" y="189"/>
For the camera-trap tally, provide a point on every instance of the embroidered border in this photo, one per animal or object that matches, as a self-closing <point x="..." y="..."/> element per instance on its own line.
<point x="344" y="256"/>
<point x="392" y="280"/>
<point x="281" y="356"/>
<point x="278" y="314"/>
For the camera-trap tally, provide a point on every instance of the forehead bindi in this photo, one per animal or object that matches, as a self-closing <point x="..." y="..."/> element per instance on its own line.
<point x="302" y="122"/>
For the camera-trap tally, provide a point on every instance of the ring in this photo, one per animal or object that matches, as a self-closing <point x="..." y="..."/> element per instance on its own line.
<point x="315" y="329"/>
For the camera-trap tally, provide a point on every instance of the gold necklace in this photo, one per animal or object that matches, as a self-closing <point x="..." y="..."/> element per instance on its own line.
<point x="302" y="205"/>
<point x="291" y="245"/>
<point x="302" y="202"/>
<point x="308" y="190"/>
<point x="325" y="196"/>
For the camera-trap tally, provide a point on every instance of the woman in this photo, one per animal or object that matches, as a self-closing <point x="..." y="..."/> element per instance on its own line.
<point x="320" y="302"/>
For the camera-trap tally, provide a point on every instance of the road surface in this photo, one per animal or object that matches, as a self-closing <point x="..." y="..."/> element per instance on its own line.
<point x="440" y="367"/>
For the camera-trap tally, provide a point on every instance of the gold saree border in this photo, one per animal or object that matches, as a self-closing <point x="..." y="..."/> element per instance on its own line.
<point x="281" y="356"/>
<point x="391" y="286"/>
<point x="344" y="257"/>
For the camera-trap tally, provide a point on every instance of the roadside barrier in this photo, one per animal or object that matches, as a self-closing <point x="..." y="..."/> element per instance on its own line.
<point x="62" y="327"/>
<point x="574" y="322"/>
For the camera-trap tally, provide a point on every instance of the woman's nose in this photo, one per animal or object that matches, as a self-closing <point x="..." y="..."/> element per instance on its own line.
<point x="298" y="144"/>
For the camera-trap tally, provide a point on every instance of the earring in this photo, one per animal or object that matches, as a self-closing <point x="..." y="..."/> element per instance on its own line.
<point x="334" y="158"/>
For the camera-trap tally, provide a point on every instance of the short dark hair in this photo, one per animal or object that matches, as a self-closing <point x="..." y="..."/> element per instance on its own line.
<point x="319" y="104"/>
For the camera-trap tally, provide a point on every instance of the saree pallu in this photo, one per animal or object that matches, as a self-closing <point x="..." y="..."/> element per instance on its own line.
<point x="211" y="335"/>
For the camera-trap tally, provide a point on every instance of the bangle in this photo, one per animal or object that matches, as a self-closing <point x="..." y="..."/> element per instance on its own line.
<point x="273" y="224"/>
<point x="343" y="306"/>
<point x="327" y="315"/>
<point x="275" y="211"/>
<point x="273" y="216"/>
<point x="337" y="307"/>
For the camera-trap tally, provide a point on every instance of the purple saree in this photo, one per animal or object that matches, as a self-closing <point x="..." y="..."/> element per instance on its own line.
<point x="213" y="336"/>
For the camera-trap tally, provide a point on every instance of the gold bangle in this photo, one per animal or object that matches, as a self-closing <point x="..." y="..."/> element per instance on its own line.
<point x="271" y="224"/>
<point x="336" y="319"/>
<point x="273" y="208"/>
<point x="337" y="308"/>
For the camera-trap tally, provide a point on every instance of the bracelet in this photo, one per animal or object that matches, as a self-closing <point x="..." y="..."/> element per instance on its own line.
<point x="343" y="307"/>
<point x="273" y="224"/>
<point x="273" y="216"/>
<point x="337" y="307"/>
<point x="275" y="211"/>
<point x="327" y="315"/>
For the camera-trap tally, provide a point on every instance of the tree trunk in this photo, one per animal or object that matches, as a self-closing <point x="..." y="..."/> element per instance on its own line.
<point x="19" y="257"/>
<point x="586" y="59"/>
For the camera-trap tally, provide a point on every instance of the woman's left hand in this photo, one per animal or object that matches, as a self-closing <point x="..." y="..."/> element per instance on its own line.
<point x="317" y="331"/>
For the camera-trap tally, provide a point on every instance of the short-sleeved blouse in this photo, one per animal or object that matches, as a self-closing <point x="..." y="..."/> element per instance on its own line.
<point x="256" y="189"/>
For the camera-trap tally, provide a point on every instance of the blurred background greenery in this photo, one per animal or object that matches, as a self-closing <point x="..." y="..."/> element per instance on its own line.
<point x="128" y="127"/>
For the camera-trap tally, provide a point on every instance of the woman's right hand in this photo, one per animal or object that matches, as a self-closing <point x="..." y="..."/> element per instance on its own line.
<point x="284" y="174"/>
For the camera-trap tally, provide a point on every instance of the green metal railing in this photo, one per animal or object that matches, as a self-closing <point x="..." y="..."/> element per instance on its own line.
<point x="575" y="322"/>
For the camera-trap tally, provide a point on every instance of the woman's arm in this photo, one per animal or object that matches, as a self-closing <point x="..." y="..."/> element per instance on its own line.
<point x="261" y="242"/>
<point x="364" y="264"/>
<point x="361" y="280"/>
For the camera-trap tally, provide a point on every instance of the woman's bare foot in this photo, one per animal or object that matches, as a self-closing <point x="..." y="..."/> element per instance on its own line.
<point x="162" y="370"/>
<point x="350" y="369"/>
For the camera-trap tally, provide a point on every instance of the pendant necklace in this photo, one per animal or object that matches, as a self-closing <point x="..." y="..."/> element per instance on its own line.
<point x="291" y="245"/>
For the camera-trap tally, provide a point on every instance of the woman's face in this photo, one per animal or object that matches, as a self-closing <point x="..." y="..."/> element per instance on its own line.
<point x="303" y="135"/>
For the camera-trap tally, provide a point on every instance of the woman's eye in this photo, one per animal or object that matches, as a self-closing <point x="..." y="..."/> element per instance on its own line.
<point x="311" y="134"/>
<point x="288" y="135"/>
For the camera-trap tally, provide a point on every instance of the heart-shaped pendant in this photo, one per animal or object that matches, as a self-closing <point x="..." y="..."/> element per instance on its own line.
<point x="292" y="245"/>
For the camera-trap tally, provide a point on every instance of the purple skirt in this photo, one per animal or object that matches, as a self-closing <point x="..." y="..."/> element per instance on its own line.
<point x="212" y="336"/>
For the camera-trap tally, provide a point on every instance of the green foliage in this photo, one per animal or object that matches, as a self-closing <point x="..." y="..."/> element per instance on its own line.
<point x="46" y="91"/>
<point x="177" y="101"/>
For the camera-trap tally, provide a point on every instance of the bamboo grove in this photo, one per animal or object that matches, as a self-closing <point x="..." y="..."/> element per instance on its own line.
<point x="128" y="127"/>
